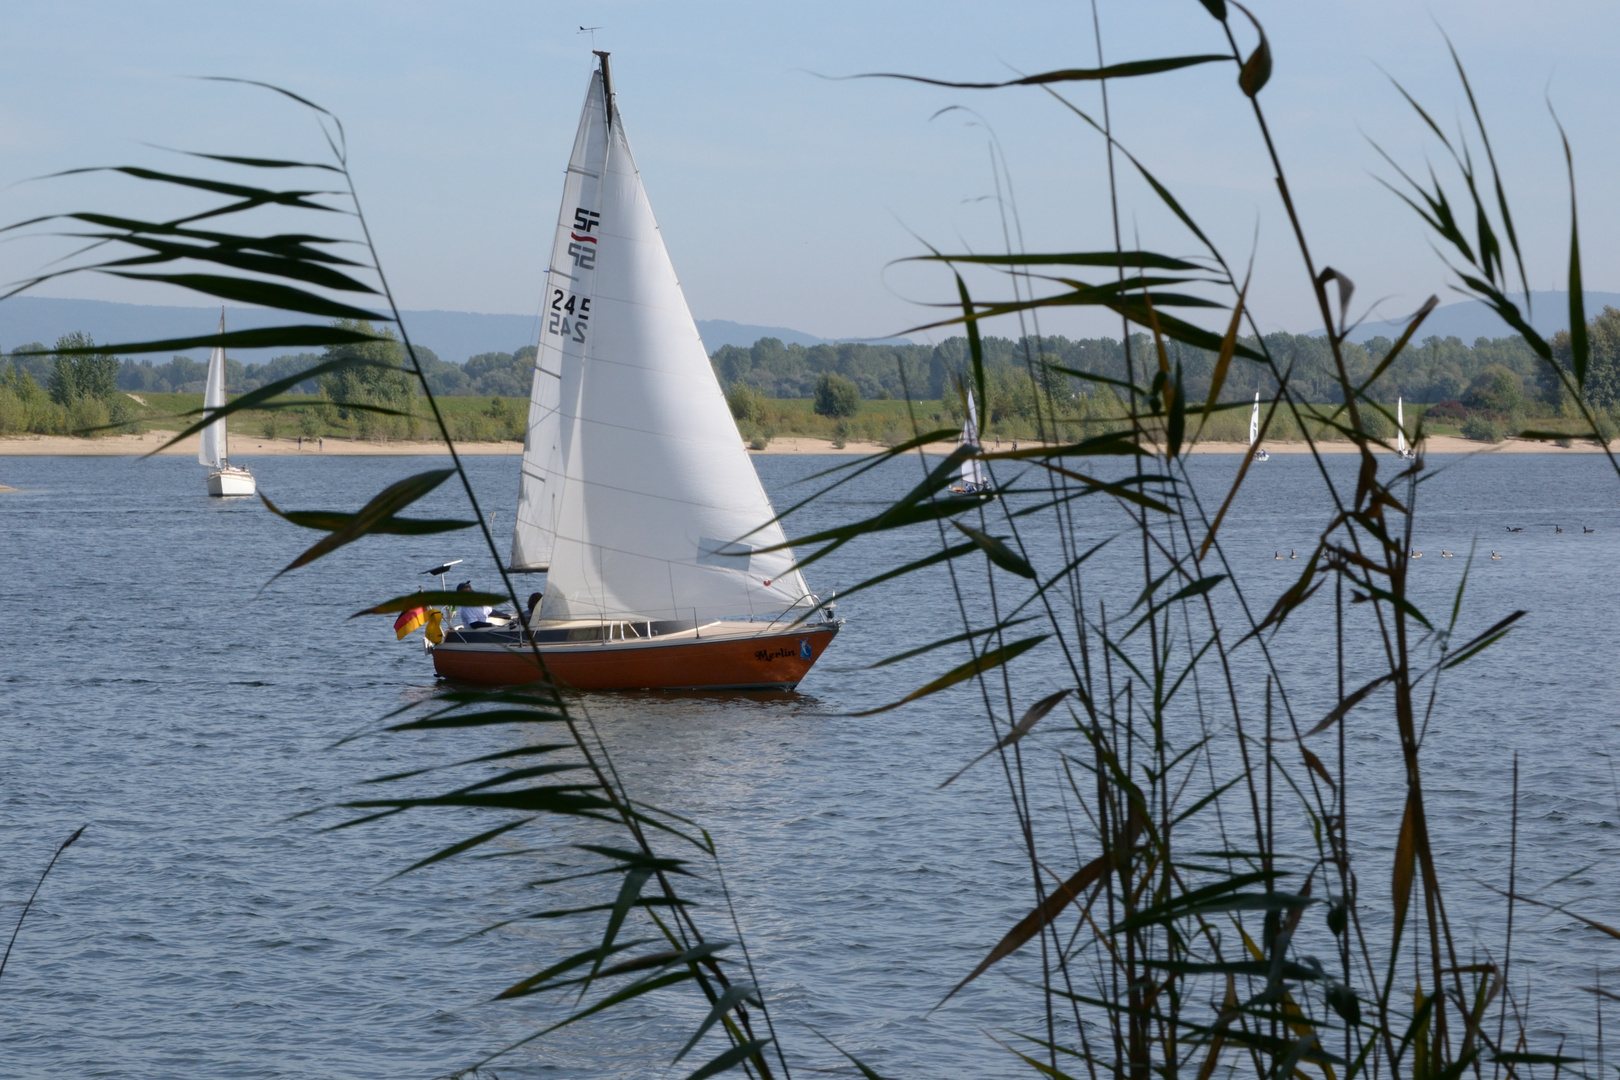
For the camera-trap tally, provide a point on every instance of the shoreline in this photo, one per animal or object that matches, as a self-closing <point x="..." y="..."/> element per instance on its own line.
<point x="135" y="445"/>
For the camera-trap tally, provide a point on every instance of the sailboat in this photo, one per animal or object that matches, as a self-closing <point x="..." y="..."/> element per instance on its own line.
<point x="974" y="478"/>
<point x="1400" y="433"/>
<point x="665" y="567"/>
<point x="214" y="450"/>
<point x="1254" y="430"/>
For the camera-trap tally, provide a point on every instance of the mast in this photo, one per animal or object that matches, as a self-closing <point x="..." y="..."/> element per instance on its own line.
<point x="607" y="87"/>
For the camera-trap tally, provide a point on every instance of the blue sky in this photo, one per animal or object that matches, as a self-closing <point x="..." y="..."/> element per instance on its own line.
<point x="786" y="197"/>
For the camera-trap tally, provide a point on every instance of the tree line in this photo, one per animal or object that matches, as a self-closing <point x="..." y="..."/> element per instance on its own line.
<point x="1499" y="377"/>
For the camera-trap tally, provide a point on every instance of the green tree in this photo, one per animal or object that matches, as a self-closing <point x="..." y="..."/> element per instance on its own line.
<point x="377" y="378"/>
<point x="82" y="375"/>
<point x="1603" y="366"/>
<point x="837" y="396"/>
<point x="1497" y="389"/>
<point x="747" y="403"/>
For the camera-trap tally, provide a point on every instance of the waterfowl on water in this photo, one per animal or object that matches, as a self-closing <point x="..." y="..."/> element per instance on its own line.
<point x="1276" y="554"/>
<point x="1444" y="554"/>
<point x="1512" y="529"/>
<point x="1494" y="555"/>
<point x="1558" y="528"/>
<point x="1417" y="554"/>
<point x="1584" y="529"/>
<point x="1292" y="554"/>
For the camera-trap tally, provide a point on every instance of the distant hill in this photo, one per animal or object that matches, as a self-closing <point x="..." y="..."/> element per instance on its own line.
<point x="1471" y="319"/>
<point x="452" y="335"/>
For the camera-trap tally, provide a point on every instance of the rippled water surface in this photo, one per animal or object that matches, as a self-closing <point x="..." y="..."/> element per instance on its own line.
<point x="156" y="686"/>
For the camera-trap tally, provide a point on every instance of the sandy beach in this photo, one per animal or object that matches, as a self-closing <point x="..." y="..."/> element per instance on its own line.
<point x="131" y="445"/>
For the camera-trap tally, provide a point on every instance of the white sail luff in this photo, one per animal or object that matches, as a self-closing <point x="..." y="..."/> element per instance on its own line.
<point x="972" y="472"/>
<point x="564" y="332"/>
<point x="660" y="514"/>
<point x="1400" y="428"/>
<point x="212" y="449"/>
<point x="1254" y="420"/>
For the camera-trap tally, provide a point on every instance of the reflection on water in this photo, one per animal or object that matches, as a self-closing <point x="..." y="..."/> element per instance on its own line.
<point x="200" y="927"/>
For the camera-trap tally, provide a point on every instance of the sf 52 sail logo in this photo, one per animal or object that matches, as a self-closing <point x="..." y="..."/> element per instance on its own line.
<point x="582" y="245"/>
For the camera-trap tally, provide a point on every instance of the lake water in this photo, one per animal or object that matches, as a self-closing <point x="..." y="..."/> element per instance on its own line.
<point x="157" y="687"/>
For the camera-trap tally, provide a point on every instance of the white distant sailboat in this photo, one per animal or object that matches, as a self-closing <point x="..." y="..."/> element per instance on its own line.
<point x="1254" y="430"/>
<point x="1400" y="433"/>
<point x="665" y="565"/>
<point x="975" y="478"/>
<point x="214" y="449"/>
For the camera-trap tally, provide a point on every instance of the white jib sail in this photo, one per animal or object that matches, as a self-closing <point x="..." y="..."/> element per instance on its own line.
<point x="1400" y="428"/>
<point x="565" y="323"/>
<point x="972" y="472"/>
<point x="660" y="514"/>
<point x="1254" y="420"/>
<point x="213" y="450"/>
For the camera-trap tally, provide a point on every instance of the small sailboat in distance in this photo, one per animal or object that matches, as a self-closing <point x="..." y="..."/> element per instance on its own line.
<point x="975" y="479"/>
<point x="214" y="448"/>
<point x="665" y="565"/>
<point x="1254" y="430"/>
<point x="1400" y="433"/>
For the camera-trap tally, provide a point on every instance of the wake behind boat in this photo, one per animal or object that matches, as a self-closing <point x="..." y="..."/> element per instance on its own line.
<point x="214" y="449"/>
<point x="664" y="565"/>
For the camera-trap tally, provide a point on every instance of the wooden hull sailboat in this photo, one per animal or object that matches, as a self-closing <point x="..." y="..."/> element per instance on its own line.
<point x="213" y="449"/>
<point x="665" y="567"/>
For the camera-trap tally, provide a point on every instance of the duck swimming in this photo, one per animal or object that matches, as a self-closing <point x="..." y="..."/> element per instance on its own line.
<point x="1276" y="554"/>
<point x="1417" y="554"/>
<point x="1494" y="555"/>
<point x="1584" y="529"/>
<point x="1444" y="554"/>
<point x="1292" y="554"/>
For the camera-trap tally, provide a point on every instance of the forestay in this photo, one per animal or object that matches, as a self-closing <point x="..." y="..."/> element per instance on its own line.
<point x="638" y="494"/>
<point x="212" y="450"/>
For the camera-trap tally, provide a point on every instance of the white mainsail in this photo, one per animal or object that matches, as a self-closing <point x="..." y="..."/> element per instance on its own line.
<point x="1400" y="429"/>
<point x="213" y="450"/>
<point x="645" y="504"/>
<point x="570" y="285"/>
<point x="973" y="472"/>
<point x="1254" y="420"/>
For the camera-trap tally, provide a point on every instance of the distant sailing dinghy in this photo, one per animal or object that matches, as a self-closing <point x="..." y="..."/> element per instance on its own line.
<point x="975" y="479"/>
<point x="1400" y="433"/>
<point x="1254" y="430"/>
<point x="664" y="565"/>
<point x="214" y="450"/>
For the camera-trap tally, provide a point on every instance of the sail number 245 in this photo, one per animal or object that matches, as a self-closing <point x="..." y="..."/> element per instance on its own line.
<point x="569" y="315"/>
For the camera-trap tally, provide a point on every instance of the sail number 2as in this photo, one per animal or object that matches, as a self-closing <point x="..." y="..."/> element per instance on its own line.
<point x="569" y="318"/>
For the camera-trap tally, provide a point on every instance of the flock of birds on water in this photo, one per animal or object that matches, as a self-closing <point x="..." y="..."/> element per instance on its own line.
<point x="1444" y="554"/>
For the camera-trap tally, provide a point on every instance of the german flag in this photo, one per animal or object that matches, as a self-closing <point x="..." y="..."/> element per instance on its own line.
<point x="409" y="621"/>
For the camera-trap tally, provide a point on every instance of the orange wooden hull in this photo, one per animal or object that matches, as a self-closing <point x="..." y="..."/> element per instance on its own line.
<point x="776" y="661"/>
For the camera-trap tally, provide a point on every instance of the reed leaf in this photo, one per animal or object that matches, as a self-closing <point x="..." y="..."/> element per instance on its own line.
<point x="985" y="661"/>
